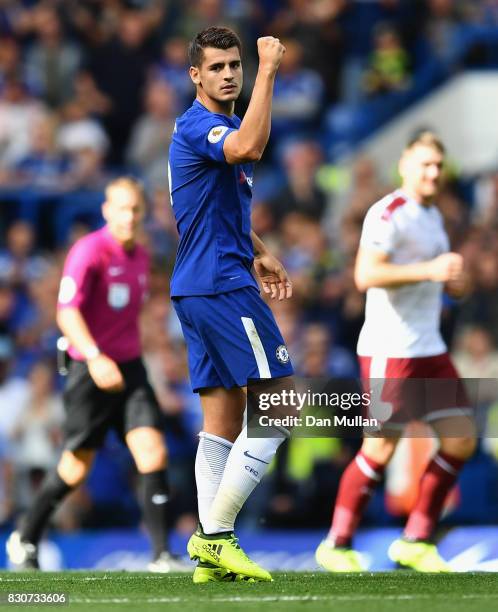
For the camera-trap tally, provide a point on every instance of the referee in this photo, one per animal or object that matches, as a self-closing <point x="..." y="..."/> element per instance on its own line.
<point x="103" y="287"/>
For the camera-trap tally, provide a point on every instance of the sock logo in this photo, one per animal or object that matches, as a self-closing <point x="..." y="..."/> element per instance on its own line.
<point x="159" y="498"/>
<point x="246" y="454"/>
<point x="252" y="470"/>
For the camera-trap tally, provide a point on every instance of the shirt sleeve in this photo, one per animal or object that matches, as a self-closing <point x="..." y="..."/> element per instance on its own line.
<point x="379" y="231"/>
<point x="77" y="277"/>
<point x="207" y="136"/>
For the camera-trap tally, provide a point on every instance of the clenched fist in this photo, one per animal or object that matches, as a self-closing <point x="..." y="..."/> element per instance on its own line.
<point x="270" y="51"/>
<point x="106" y="374"/>
<point x="446" y="267"/>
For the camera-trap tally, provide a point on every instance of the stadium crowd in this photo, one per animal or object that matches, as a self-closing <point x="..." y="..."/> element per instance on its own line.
<point x="90" y="89"/>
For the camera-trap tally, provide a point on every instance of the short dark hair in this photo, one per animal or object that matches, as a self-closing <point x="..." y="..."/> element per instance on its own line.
<point x="219" y="38"/>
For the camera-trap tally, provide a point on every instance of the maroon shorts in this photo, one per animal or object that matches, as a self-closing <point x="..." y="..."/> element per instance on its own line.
<point x="404" y="389"/>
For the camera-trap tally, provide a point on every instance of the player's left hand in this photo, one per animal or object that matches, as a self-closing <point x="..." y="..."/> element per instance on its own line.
<point x="273" y="276"/>
<point x="459" y="287"/>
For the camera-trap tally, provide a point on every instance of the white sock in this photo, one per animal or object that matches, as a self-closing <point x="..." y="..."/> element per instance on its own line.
<point x="210" y="461"/>
<point x="247" y="463"/>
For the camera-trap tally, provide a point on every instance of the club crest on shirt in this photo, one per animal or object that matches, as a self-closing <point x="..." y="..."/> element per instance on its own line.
<point x="216" y="133"/>
<point x="118" y="295"/>
<point x="282" y="353"/>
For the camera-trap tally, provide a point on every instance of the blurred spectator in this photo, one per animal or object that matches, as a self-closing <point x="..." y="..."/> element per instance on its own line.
<point x="485" y="209"/>
<point x="476" y="359"/>
<point x="88" y="96"/>
<point x="8" y="9"/>
<point x="319" y="357"/>
<point x="388" y="68"/>
<point x="13" y="389"/>
<point x="289" y="317"/>
<point x="37" y="434"/>
<point x="19" y="112"/>
<point x="10" y="57"/>
<point x="352" y="313"/>
<point x="153" y="330"/>
<point x="151" y="134"/>
<point x="476" y="356"/>
<point x="298" y="93"/>
<point x="313" y="24"/>
<point x="7" y="311"/>
<point x="352" y="203"/>
<point x="83" y="140"/>
<point x="79" y="131"/>
<point x="301" y="193"/>
<point x="7" y="502"/>
<point x="455" y="214"/>
<point x="482" y="304"/>
<point x="94" y="22"/>
<point x="358" y="22"/>
<point x="295" y="252"/>
<point x="443" y="19"/>
<point x="202" y="14"/>
<point x="51" y="61"/>
<point x="105" y="500"/>
<point x="314" y="268"/>
<point x="173" y="69"/>
<point x="161" y="235"/>
<point x="19" y="263"/>
<point x="37" y="331"/>
<point x="263" y="219"/>
<point x="488" y="12"/>
<point x="119" y="69"/>
<point x="43" y="167"/>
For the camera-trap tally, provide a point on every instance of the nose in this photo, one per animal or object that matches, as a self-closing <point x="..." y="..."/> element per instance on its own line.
<point x="434" y="171"/>
<point x="228" y="74"/>
<point x="128" y="218"/>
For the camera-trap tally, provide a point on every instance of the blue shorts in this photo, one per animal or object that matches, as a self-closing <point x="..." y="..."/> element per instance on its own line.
<point x="231" y="338"/>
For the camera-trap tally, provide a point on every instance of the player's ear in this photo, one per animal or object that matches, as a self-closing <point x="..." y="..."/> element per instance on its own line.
<point x="105" y="210"/>
<point x="402" y="165"/>
<point x="194" y="75"/>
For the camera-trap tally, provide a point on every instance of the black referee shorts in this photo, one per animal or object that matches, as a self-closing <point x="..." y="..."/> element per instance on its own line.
<point x="91" y="412"/>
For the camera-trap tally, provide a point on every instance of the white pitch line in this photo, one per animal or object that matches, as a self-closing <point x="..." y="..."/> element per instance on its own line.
<point x="113" y="577"/>
<point x="275" y="598"/>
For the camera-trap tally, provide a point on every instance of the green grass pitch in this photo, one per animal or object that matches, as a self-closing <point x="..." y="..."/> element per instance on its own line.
<point x="379" y="592"/>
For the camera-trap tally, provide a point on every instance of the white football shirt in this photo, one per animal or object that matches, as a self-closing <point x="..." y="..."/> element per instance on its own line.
<point x="403" y="321"/>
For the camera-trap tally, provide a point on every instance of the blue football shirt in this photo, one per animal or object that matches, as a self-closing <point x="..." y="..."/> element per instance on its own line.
<point x="211" y="201"/>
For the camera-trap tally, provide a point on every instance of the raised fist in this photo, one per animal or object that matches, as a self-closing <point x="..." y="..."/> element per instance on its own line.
<point x="270" y="51"/>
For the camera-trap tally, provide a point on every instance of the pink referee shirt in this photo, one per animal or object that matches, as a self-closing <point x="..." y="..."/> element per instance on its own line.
<point x="108" y="285"/>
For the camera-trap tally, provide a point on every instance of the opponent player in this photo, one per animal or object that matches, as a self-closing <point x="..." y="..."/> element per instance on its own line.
<point x="103" y="287"/>
<point x="230" y="332"/>
<point x="403" y="263"/>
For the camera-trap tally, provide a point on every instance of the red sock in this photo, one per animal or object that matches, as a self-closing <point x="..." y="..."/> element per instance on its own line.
<point x="355" y="489"/>
<point x="436" y="482"/>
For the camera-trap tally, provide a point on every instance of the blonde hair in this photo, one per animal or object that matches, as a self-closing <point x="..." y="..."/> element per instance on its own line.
<point x="126" y="182"/>
<point x="427" y="139"/>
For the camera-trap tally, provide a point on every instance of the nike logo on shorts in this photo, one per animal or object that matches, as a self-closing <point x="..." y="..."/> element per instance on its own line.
<point x="246" y="454"/>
